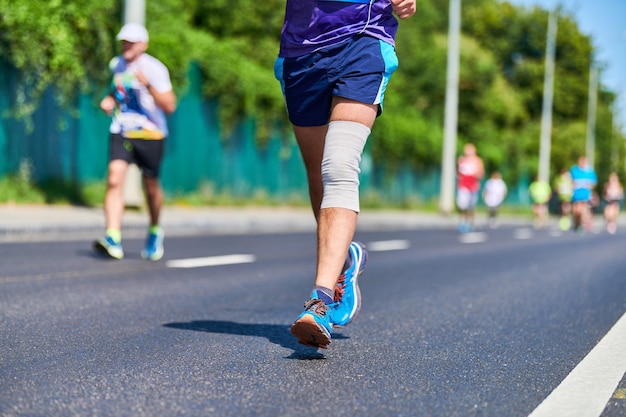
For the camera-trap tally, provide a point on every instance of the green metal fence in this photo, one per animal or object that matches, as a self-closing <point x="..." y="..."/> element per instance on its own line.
<point x="74" y="149"/>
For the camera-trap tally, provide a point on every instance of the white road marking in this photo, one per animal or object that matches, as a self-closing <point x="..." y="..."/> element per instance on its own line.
<point x="588" y="388"/>
<point x="210" y="261"/>
<point x="523" y="234"/>
<point x="388" y="245"/>
<point x="473" y="237"/>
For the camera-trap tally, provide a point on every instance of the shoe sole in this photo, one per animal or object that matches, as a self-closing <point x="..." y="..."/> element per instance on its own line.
<point x="309" y="333"/>
<point x="101" y="249"/>
<point x="157" y="256"/>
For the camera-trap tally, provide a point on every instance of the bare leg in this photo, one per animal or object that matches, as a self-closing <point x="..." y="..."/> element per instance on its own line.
<point x="114" y="197"/>
<point x="311" y="142"/>
<point x="336" y="226"/>
<point x="334" y="235"/>
<point x="578" y="212"/>
<point x="154" y="198"/>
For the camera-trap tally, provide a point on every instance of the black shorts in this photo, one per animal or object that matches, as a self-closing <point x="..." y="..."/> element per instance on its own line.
<point x="146" y="153"/>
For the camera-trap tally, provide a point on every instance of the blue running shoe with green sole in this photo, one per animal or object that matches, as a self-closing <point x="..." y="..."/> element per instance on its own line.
<point x="313" y="327"/>
<point x="153" y="251"/>
<point x="108" y="247"/>
<point x="347" y="293"/>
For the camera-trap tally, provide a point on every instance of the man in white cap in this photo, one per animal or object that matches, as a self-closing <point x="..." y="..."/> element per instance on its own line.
<point x="140" y="97"/>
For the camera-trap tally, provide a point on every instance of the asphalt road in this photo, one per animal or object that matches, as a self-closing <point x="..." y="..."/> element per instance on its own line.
<point x="488" y="324"/>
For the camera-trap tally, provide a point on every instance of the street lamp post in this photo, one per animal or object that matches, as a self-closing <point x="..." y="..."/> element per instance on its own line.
<point x="134" y="12"/>
<point x="446" y="196"/>
<point x="590" y="148"/>
<point x="548" y="93"/>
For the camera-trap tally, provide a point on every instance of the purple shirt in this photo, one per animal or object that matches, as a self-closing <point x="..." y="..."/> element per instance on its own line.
<point x="314" y="24"/>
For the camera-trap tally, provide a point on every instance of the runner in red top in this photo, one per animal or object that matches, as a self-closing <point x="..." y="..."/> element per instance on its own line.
<point x="470" y="170"/>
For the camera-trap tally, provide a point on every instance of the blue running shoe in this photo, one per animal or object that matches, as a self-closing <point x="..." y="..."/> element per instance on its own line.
<point x="313" y="326"/>
<point x="347" y="293"/>
<point x="108" y="247"/>
<point x="153" y="250"/>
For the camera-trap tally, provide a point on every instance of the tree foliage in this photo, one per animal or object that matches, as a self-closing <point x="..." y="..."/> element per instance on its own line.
<point x="68" y="43"/>
<point x="56" y="42"/>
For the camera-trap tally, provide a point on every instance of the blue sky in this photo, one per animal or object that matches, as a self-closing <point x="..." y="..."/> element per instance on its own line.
<point x="605" y="22"/>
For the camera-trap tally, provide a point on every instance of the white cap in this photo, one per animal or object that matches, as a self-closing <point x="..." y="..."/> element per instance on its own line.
<point x="133" y="32"/>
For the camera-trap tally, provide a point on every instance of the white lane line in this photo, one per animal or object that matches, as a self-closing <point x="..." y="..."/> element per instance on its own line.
<point x="210" y="261"/>
<point x="388" y="245"/>
<point x="587" y="389"/>
<point x="523" y="234"/>
<point x="473" y="237"/>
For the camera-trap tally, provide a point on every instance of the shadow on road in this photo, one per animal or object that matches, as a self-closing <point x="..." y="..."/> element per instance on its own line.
<point x="276" y="333"/>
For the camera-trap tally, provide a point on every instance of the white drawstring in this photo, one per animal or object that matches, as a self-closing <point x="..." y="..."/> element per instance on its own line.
<point x="369" y="16"/>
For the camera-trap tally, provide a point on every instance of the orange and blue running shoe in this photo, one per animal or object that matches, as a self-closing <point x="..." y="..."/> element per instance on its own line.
<point x="313" y="327"/>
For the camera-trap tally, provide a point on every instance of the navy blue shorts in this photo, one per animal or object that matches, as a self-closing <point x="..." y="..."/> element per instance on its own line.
<point x="145" y="153"/>
<point x="357" y="69"/>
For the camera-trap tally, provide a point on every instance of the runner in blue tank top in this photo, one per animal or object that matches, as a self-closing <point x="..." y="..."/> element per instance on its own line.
<point x="584" y="180"/>
<point x="335" y="60"/>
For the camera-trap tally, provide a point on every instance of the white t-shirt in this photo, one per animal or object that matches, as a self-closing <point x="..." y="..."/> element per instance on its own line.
<point x="494" y="192"/>
<point x="137" y="116"/>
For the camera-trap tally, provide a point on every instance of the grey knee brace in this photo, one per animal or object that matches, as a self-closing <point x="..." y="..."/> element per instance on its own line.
<point x="340" y="165"/>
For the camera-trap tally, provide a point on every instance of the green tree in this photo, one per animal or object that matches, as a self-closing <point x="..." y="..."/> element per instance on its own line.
<point x="55" y="43"/>
<point x="66" y="45"/>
